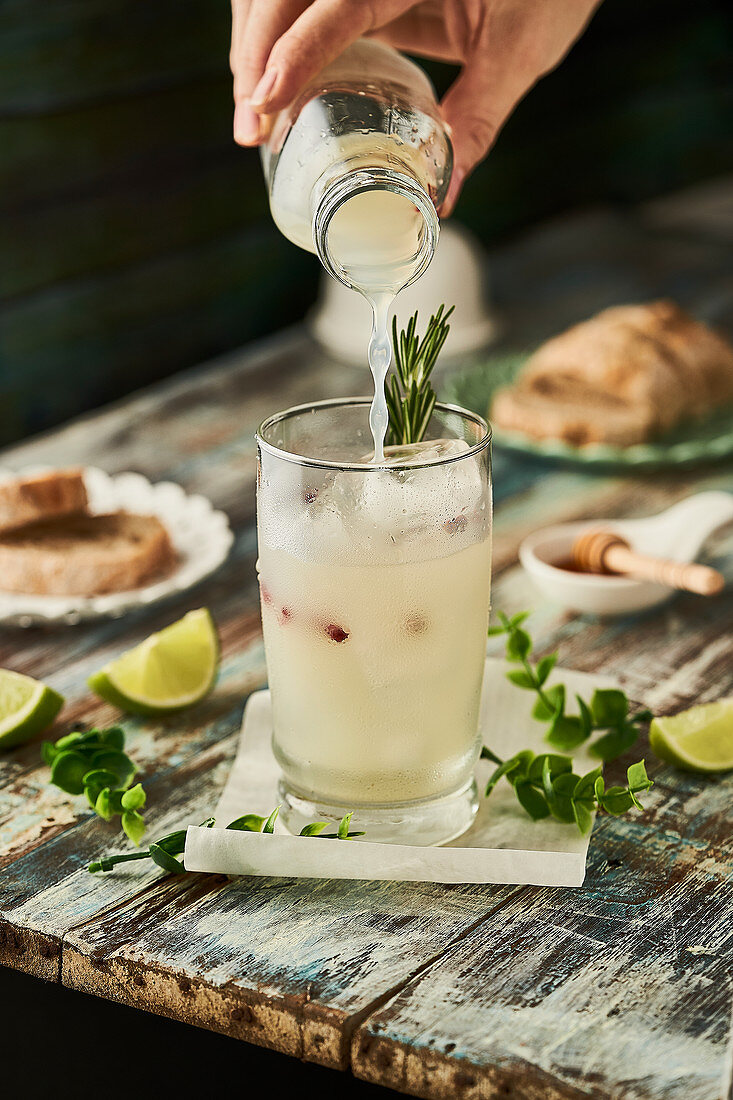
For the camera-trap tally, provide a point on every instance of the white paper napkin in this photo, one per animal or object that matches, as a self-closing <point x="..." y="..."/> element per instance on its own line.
<point x="502" y="846"/>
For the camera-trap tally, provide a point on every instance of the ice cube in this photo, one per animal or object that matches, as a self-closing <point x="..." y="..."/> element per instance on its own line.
<point x="404" y="499"/>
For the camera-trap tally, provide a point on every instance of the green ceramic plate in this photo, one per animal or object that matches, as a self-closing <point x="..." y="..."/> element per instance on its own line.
<point x="691" y="444"/>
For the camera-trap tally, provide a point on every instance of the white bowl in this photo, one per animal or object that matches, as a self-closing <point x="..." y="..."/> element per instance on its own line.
<point x="677" y="533"/>
<point x="590" y="593"/>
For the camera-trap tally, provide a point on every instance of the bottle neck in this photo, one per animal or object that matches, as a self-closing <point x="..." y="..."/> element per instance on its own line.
<point x="358" y="182"/>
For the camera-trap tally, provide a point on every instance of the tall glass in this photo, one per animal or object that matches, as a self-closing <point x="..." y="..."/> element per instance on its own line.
<point x="374" y="584"/>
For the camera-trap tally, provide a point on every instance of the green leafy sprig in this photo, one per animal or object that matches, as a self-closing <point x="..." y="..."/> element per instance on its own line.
<point x="93" y="763"/>
<point x="165" y="852"/>
<point x="410" y="395"/>
<point x="608" y="711"/>
<point x="546" y="785"/>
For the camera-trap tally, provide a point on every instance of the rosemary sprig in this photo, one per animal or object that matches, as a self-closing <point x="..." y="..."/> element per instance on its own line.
<point x="410" y="395"/>
<point x="165" y="852"/>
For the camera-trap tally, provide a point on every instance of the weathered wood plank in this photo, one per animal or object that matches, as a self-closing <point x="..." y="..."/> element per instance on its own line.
<point x="288" y="964"/>
<point x="48" y="891"/>
<point x="620" y="989"/>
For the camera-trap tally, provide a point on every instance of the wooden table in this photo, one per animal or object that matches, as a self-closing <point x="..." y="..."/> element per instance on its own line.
<point x="618" y="989"/>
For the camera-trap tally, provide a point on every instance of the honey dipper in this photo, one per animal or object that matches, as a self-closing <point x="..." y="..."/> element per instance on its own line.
<point x="603" y="551"/>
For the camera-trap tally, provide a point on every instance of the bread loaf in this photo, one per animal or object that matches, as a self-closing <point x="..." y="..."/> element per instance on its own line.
<point x="625" y="376"/>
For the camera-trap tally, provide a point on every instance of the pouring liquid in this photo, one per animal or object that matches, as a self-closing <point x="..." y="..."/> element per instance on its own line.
<point x="375" y="237"/>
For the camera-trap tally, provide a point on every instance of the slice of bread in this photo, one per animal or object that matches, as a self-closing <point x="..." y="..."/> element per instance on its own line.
<point x="85" y="555"/>
<point x="46" y="496"/>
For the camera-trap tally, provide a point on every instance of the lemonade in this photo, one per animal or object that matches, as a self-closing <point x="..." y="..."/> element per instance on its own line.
<point x="375" y="601"/>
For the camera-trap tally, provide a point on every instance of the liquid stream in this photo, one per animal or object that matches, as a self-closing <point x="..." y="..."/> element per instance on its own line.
<point x="375" y="238"/>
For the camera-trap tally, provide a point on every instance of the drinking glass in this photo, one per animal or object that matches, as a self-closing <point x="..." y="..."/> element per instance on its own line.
<point x="374" y="585"/>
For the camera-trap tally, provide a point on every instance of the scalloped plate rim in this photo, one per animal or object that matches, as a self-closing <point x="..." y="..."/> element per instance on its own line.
<point x="21" y="609"/>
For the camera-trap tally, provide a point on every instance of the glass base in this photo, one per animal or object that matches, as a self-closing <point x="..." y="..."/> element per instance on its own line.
<point x="421" y="823"/>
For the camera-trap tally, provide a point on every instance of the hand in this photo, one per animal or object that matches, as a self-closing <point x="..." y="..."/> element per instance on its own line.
<point x="505" y="46"/>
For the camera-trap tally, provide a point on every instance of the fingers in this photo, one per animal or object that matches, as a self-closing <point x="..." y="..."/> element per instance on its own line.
<point x="256" y="26"/>
<point x="518" y="43"/>
<point x="322" y="31"/>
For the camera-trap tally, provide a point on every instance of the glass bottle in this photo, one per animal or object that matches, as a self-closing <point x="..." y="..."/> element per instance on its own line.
<point x="357" y="167"/>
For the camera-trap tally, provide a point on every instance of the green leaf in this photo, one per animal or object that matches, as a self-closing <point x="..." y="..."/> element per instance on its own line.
<point x="207" y="823"/>
<point x="600" y="787"/>
<point x="173" y="843"/>
<point x="494" y="630"/>
<point x="641" y="717"/>
<point x="545" y="667"/>
<point x="133" y="825"/>
<point x="344" y="823"/>
<point x="96" y="781"/>
<point x="114" y="737"/>
<point x="68" y="771"/>
<point x="532" y="800"/>
<point x="519" y="771"/>
<point x="248" y="823"/>
<point x="48" y="752"/>
<point x="314" y="828"/>
<point x="557" y="766"/>
<point x="616" y="801"/>
<point x="586" y="718"/>
<point x="103" y="805"/>
<point x="583" y="814"/>
<point x="69" y="741"/>
<point x="487" y="754"/>
<point x="556" y="698"/>
<point x="519" y="618"/>
<point x="565" y="784"/>
<point x="561" y="808"/>
<point x="586" y="787"/>
<point x="165" y="860"/>
<point x="134" y="798"/>
<point x="503" y="769"/>
<point x="614" y="743"/>
<point x="637" y="777"/>
<point x="269" y="826"/>
<point x="522" y="679"/>
<point x="609" y="707"/>
<point x="518" y="645"/>
<point x="118" y="762"/>
<point x="566" y="732"/>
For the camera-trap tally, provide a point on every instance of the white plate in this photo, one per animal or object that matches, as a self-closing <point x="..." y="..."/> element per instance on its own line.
<point x="201" y="537"/>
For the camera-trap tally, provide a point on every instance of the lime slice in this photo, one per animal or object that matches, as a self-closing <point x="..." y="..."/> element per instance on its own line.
<point x="699" y="739"/>
<point x="169" y="671"/>
<point x="26" y="707"/>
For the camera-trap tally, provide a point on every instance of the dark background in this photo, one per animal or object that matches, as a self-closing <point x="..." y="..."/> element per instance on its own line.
<point x="134" y="235"/>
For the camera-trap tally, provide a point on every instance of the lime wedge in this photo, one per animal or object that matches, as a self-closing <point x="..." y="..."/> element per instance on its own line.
<point x="699" y="739"/>
<point x="26" y="707"/>
<point x="170" y="670"/>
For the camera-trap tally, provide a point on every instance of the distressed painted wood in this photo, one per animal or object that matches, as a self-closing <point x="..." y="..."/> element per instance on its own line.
<point x="467" y="992"/>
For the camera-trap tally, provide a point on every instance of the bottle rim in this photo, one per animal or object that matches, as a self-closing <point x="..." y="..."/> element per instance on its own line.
<point x="358" y="182"/>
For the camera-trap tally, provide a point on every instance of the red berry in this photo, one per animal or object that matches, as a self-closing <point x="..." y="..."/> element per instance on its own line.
<point x="285" y="614"/>
<point x="458" y="523"/>
<point x="309" y="495"/>
<point x="265" y="593"/>
<point x="416" y="624"/>
<point x="336" y="633"/>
